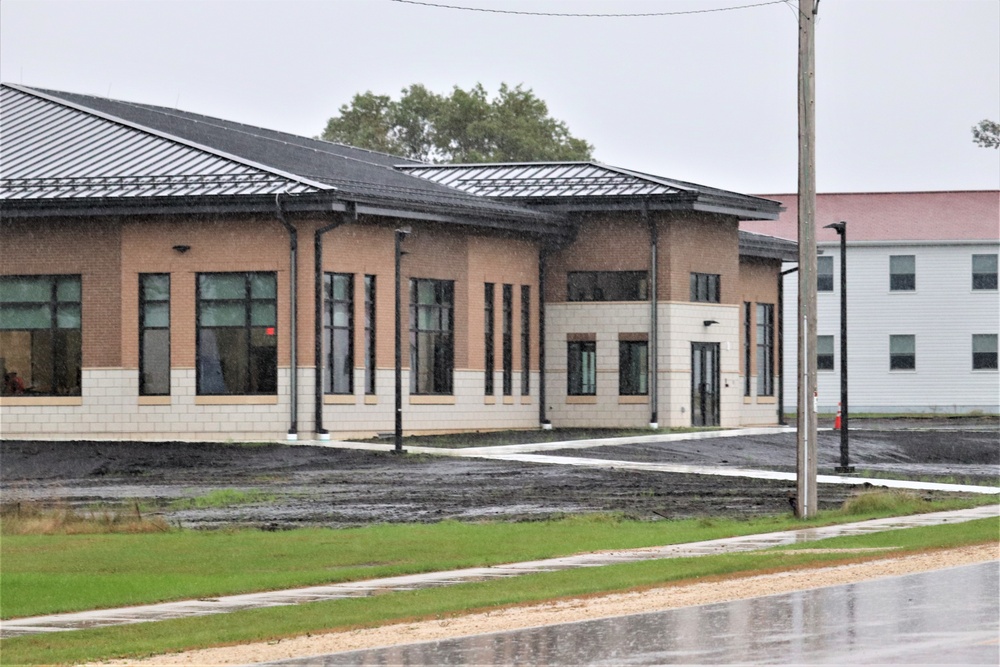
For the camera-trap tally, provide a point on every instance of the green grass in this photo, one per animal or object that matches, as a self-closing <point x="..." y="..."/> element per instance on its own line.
<point x="495" y="438"/>
<point x="134" y="641"/>
<point x="45" y="574"/>
<point x="223" y="498"/>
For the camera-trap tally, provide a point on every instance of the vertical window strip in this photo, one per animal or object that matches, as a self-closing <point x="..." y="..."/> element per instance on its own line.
<point x="154" y="334"/>
<point x="339" y="324"/>
<point x="508" y="340"/>
<point x="765" y="349"/>
<point x="747" y="347"/>
<point x="824" y="274"/>
<point x="633" y="367"/>
<point x="432" y="345"/>
<point x="370" y="334"/>
<point x="525" y="340"/>
<point x="489" y="337"/>
<point x="582" y="368"/>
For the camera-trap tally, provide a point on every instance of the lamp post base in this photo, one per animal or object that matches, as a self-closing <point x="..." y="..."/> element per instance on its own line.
<point x="844" y="469"/>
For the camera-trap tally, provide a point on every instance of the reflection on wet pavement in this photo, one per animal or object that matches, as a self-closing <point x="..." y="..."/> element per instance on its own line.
<point x="945" y="617"/>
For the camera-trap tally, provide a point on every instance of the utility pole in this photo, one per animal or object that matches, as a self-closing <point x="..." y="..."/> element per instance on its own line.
<point x="806" y="497"/>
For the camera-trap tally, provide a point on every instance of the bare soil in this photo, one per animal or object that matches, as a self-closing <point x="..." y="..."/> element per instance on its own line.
<point x="327" y="486"/>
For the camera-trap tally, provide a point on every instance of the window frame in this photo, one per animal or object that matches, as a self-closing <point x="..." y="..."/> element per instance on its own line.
<point x="988" y="277"/>
<point x="525" y="340"/>
<point x="765" y="349"/>
<point x="144" y="327"/>
<point x="747" y="348"/>
<point x="986" y="361"/>
<point x="706" y="287"/>
<point x="370" y="285"/>
<point x="607" y="286"/>
<point x="489" y="335"/>
<point x="903" y="361"/>
<point x="627" y="351"/>
<point x="824" y="273"/>
<point x="334" y="384"/>
<point x="248" y="301"/>
<point x="581" y="379"/>
<point x="902" y="281"/>
<point x="826" y="361"/>
<point x="507" y="330"/>
<point x="441" y="380"/>
<point x="60" y="356"/>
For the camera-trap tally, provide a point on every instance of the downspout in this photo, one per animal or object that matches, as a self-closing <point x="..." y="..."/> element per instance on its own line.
<point x="293" y="252"/>
<point x="781" y="345"/>
<point x="347" y="216"/>
<point x="654" y="328"/>
<point x="543" y="255"/>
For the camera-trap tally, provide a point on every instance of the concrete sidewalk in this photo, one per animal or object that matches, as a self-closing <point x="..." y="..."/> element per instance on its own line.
<point x="203" y="607"/>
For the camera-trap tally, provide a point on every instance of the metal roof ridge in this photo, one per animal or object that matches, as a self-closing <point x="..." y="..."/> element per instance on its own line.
<point x="165" y="135"/>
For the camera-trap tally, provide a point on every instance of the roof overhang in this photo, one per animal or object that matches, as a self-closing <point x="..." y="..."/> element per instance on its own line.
<point x="759" y="246"/>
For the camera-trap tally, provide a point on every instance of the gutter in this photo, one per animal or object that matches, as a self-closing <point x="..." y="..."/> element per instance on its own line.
<point x="293" y="254"/>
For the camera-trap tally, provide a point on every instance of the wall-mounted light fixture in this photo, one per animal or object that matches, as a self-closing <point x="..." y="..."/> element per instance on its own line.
<point x="709" y="323"/>
<point x="182" y="248"/>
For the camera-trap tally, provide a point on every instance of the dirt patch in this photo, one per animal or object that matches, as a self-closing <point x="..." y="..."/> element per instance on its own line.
<point x="321" y="486"/>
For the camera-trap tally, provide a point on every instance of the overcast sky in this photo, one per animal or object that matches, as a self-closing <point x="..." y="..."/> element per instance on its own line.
<point x="707" y="97"/>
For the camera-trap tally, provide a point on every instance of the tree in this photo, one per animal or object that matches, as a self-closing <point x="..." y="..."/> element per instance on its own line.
<point x="465" y="126"/>
<point x="987" y="134"/>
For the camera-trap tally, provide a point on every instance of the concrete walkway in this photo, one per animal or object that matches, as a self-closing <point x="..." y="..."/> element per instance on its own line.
<point x="203" y="607"/>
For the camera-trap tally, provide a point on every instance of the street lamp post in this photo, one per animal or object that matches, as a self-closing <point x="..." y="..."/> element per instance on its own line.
<point x="399" y="235"/>
<point x="841" y="229"/>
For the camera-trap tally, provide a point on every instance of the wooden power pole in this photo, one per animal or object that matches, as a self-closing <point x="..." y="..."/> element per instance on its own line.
<point x="806" y="497"/>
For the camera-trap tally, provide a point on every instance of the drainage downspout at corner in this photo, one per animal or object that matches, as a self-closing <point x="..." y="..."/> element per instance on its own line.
<point x="654" y="327"/>
<point x="349" y="214"/>
<point x="293" y="250"/>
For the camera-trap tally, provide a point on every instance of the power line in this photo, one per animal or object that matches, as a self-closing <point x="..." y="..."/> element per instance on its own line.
<point x="437" y="5"/>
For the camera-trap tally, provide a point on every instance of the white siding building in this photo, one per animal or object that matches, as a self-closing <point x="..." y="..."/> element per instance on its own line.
<point x="923" y="308"/>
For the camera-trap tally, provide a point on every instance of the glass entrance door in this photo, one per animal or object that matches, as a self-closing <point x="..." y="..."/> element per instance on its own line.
<point x="704" y="384"/>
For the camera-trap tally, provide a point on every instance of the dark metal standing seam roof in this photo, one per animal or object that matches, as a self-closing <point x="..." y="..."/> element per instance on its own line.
<point x="63" y="146"/>
<point x="585" y="185"/>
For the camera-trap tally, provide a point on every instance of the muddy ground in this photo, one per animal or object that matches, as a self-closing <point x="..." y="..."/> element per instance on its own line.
<point x="320" y="486"/>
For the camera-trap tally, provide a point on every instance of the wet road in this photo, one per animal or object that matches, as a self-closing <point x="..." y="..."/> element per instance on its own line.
<point x="948" y="616"/>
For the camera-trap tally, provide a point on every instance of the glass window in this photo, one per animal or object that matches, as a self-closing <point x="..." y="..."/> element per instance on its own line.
<point x="824" y="353"/>
<point x="369" y="334"/>
<point x="902" y="353"/>
<point x="824" y="274"/>
<point x="984" y="272"/>
<point x="902" y="273"/>
<point x="747" y="346"/>
<point x="432" y="347"/>
<point x="765" y="349"/>
<point x="608" y="285"/>
<point x="154" y="334"/>
<point x="489" y="334"/>
<point x="338" y="324"/>
<point x="705" y="287"/>
<point x="41" y="342"/>
<point x="237" y="334"/>
<point x="633" y="367"/>
<point x="582" y="368"/>
<point x="525" y="340"/>
<point x="984" y="351"/>
<point x="508" y="340"/>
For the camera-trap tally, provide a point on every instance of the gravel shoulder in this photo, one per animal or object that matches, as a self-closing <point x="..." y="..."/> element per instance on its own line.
<point x="577" y="609"/>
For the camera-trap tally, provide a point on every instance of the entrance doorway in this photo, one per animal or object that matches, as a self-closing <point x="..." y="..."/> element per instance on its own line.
<point x="704" y="384"/>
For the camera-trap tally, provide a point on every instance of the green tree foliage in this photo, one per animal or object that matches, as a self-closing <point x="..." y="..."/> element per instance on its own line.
<point x="465" y="126"/>
<point x="987" y="134"/>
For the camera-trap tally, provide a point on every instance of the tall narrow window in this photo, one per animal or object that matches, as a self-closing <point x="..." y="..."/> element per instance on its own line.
<point x="633" y="367"/>
<point x="705" y="287"/>
<point x="339" y="328"/>
<point x="984" y="351"/>
<point x="508" y="340"/>
<point x="765" y="349"/>
<point x="525" y="340"/>
<point x="237" y="337"/>
<point x="747" y="346"/>
<point x="432" y="345"/>
<point x="370" y="334"/>
<point x="154" y="334"/>
<point x="902" y="353"/>
<point x="902" y="273"/>
<point x="984" y="272"/>
<point x="824" y="353"/>
<point x="824" y="274"/>
<point x="40" y="335"/>
<point x="489" y="329"/>
<point x="582" y="368"/>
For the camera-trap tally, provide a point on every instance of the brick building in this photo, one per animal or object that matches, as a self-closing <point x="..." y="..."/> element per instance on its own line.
<point x="166" y="275"/>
